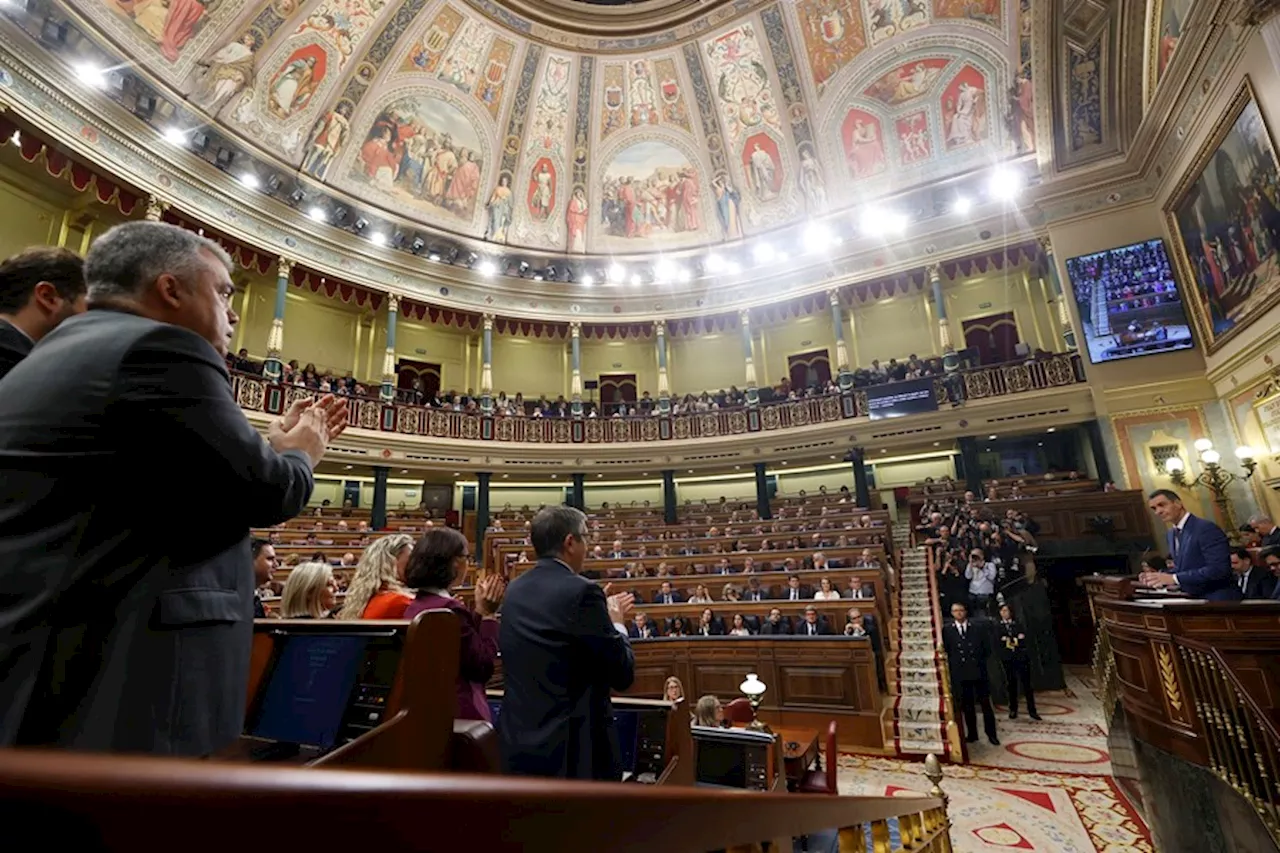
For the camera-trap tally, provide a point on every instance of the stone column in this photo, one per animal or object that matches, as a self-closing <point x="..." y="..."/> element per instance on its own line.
<point x="578" y="492"/>
<point x="845" y="376"/>
<point x="486" y="366"/>
<point x="664" y="388"/>
<point x="969" y="458"/>
<point x="950" y="360"/>
<point x="378" y="514"/>
<point x="753" y="395"/>
<point x="272" y="367"/>
<point x="389" y="357"/>
<point x="762" y="492"/>
<point x="861" y="494"/>
<point x="482" y="515"/>
<point x="669" y="497"/>
<point x="1064" y="313"/>
<point x="575" y="366"/>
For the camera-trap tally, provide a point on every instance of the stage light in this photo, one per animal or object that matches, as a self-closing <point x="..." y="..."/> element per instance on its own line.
<point x="636" y="281"/>
<point x="224" y="158"/>
<point x="587" y="280"/>
<point x="714" y="263"/>
<point x="537" y="276"/>
<point x="417" y="245"/>
<point x="297" y="196"/>
<point x="273" y="183"/>
<point x="175" y="136"/>
<point x="551" y="271"/>
<point x="377" y="238"/>
<point x="433" y="256"/>
<point x="317" y="213"/>
<point x="817" y="237"/>
<point x="472" y="257"/>
<point x="961" y="206"/>
<point x="250" y="180"/>
<point x="895" y="222"/>
<point x="763" y="253"/>
<point x="683" y="275"/>
<point x="1005" y="184"/>
<point x="617" y="273"/>
<point x="91" y="75"/>
<point x="663" y="270"/>
<point x="360" y="224"/>
<point x="486" y="267"/>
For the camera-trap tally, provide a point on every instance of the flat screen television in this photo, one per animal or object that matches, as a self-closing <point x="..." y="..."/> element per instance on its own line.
<point x="898" y="399"/>
<point x="1129" y="302"/>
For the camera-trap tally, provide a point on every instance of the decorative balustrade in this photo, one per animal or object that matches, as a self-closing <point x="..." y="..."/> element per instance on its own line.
<point x="258" y="395"/>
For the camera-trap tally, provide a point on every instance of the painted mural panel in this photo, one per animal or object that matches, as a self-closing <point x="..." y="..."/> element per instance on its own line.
<point x="428" y="53"/>
<point x="964" y="110"/>
<point x="493" y="79"/>
<point x="1084" y="96"/>
<point x="741" y="84"/>
<point x="762" y="164"/>
<point x="671" y="93"/>
<point x="833" y="36"/>
<point x="1225" y="219"/>
<point x="1021" y="114"/>
<point x="422" y="151"/>
<point x="863" y="144"/>
<point x="652" y="192"/>
<point x="461" y="63"/>
<point x="888" y="18"/>
<point x="225" y="74"/>
<point x="171" y="33"/>
<point x="641" y="93"/>
<point x="982" y="11"/>
<point x="914" y="142"/>
<point x="908" y="82"/>
<point x="296" y="81"/>
<point x="813" y="186"/>
<point x="1170" y="18"/>
<point x="549" y="125"/>
<point x="613" y="103"/>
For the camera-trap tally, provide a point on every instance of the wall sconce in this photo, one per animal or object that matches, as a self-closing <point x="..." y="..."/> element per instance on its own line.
<point x="1212" y="475"/>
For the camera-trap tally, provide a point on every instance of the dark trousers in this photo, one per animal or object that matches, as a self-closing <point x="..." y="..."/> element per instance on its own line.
<point x="1019" y="671"/>
<point x="969" y="693"/>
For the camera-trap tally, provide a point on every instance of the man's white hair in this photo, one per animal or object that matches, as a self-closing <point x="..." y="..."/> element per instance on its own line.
<point x="128" y="258"/>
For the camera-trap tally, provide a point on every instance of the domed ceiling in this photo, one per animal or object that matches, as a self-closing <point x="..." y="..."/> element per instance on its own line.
<point x="581" y="126"/>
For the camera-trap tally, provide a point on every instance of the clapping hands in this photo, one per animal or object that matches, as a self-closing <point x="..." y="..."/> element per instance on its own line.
<point x="309" y="426"/>
<point x="620" y="604"/>
<point x="489" y="594"/>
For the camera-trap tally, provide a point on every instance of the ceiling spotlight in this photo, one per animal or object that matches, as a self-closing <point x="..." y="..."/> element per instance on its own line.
<point x="486" y="267"/>
<point x="1051" y="429"/>
<point x="250" y="180"/>
<point x="224" y="158"/>
<point x="587" y="280"/>
<point x="763" y="253"/>
<point x="817" y="237"/>
<point x="523" y="268"/>
<point x="961" y="206"/>
<point x="617" y="273"/>
<point x="144" y="106"/>
<point x="550" y="271"/>
<point x="1005" y="184"/>
<point x="537" y="276"/>
<point x="433" y="255"/>
<point x="663" y="270"/>
<point x="683" y="275"/>
<point x="451" y="254"/>
<point x="360" y="224"/>
<point x="273" y="183"/>
<point x="175" y="136"/>
<point x="317" y="213"/>
<point x="895" y="222"/>
<point x="871" y="222"/>
<point x="200" y="140"/>
<point x="417" y="245"/>
<point x="636" y="281"/>
<point x="992" y="437"/>
<point x="297" y="196"/>
<point x="91" y="75"/>
<point x="714" y="263"/>
<point x="472" y="257"/>
<point x="377" y="238"/>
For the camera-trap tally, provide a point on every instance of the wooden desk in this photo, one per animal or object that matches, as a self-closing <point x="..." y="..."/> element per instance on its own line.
<point x="800" y="758"/>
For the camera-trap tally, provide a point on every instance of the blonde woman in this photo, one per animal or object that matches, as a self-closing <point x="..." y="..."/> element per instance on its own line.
<point x="673" y="690"/>
<point x="310" y="592"/>
<point x="377" y="590"/>
<point x="708" y="712"/>
<point x="826" y="592"/>
<point x="701" y="595"/>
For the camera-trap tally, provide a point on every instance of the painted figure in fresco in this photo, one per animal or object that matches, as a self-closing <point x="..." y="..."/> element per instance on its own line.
<point x="499" y="207"/>
<point x="866" y="150"/>
<point x="762" y="173"/>
<point x="689" y="195"/>
<point x="540" y="203"/>
<point x="1022" y="126"/>
<point x="727" y="206"/>
<point x="811" y="183"/>
<point x="226" y="73"/>
<point x="169" y="23"/>
<point x="464" y="186"/>
<point x="381" y="163"/>
<point x="576" y="220"/>
<point x="966" y="117"/>
<point x="327" y="139"/>
<point x="294" y="88"/>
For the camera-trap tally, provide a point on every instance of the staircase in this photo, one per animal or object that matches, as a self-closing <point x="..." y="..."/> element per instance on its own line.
<point x="914" y="673"/>
<point x="1101" y="319"/>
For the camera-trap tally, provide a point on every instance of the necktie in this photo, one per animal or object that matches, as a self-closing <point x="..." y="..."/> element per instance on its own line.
<point x="810" y="630"/>
<point x="962" y="632"/>
<point x="795" y="594"/>
<point x="1244" y="578"/>
<point x="1177" y="541"/>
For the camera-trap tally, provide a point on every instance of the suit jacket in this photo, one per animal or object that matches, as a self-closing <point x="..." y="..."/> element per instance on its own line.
<point x="761" y="594"/>
<point x="478" y="652"/>
<point x="1202" y="561"/>
<point x="676" y="597"/>
<point x="822" y="629"/>
<point x="634" y="632"/>
<point x="119" y="629"/>
<point x="560" y="658"/>
<point x="866" y="590"/>
<point x="783" y="628"/>
<point x="1008" y="634"/>
<point x="805" y="593"/>
<point x="967" y="655"/>
<point x="14" y="347"/>
<point x="1259" y="584"/>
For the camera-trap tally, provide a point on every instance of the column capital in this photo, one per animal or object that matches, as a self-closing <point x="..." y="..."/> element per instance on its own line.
<point x="156" y="207"/>
<point x="935" y="272"/>
<point x="575" y="328"/>
<point x="660" y="327"/>
<point x="284" y="267"/>
<point x="1046" y="245"/>
<point x="744" y="317"/>
<point x="393" y="303"/>
<point x="488" y="321"/>
<point x="834" y="295"/>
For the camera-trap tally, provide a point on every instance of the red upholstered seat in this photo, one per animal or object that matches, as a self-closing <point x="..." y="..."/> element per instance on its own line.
<point x="822" y="781"/>
<point x="739" y="711"/>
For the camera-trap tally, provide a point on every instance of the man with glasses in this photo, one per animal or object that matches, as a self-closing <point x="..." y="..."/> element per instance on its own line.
<point x="564" y="648"/>
<point x="1271" y="559"/>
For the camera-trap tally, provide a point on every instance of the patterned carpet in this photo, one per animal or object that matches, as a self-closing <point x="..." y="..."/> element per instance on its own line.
<point x="1045" y="788"/>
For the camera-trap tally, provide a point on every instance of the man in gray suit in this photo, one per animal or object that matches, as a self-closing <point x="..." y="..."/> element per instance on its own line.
<point x="128" y="480"/>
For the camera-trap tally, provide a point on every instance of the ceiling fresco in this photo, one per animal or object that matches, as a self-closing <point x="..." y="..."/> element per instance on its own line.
<point x="454" y="116"/>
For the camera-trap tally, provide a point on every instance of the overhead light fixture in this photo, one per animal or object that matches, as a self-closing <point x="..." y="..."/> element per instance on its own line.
<point x="348" y="467"/>
<point x="553" y="476"/>
<point x="763" y="253"/>
<point x="991" y="437"/>
<point x="360" y="224"/>
<point x="1005" y="183"/>
<point x="273" y="183"/>
<point x="598" y="476"/>
<point x="817" y="237"/>
<point x="377" y="238"/>
<point x="961" y="205"/>
<point x="505" y="476"/>
<point x="683" y="275"/>
<point x="417" y="245"/>
<point x="1051" y="429"/>
<point x="317" y="213"/>
<point x="486" y="267"/>
<point x="523" y="267"/>
<point x="224" y="158"/>
<point x="714" y="263"/>
<point x="404" y="470"/>
<point x="636" y="281"/>
<point x="537" y="276"/>
<point x="91" y="75"/>
<point x="175" y="136"/>
<point x="550" y="271"/>
<point x="617" y="273"/>
<point x="250" y="180"/>
<point x="433" y="256"/>
<point x="587" y="280"/>
<point x="663" y="270"/>
<point x="297" y="196"/>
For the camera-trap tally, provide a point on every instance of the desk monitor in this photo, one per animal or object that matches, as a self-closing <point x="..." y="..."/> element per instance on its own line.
<point x="732" y="758"/>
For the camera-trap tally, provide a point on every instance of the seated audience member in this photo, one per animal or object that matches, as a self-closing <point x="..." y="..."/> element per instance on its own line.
<point x="1255" y="583"/>
<point x="641" y="628"/>
<point x="754" y="591"/>
<point x="731" y="593"/>
<point x="377" y="591"/>
<point x="709" y="625"/>
<point x="812" y="626"/>
<point x="794" y="591"/>
<point x="819" y="561"/>
<point x="434" y="565"/>
<point x="666" y="595"/>
<point x="264" y="564"/>
<point x="673" y="690"/>
<point x="39" y="288"/>
<point x="826" y="591"/>
<point x="311" y="592"/>
<point x="1266" y="528"/>
<point x="677" y="627"/>
<point x="701" y="595"/>
<point x="857" y="588"/>
<point x="866" y="560"/>
<point x="854" y="625"/>
<point x="348" y="561"/>
<point x="739" y="628"/>
<point x="1271" y="559"/>
<point x="708" y="712"/>
<point x="775" y="625"/>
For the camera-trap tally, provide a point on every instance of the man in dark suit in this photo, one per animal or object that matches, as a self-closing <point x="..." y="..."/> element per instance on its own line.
<point x="811" y="625"/>
<point x="1267" y="530"/>
<point x="1271" y="559"/>
<point x="795" y="591"/>
<point x="1200" y="551"/>
<point x="667" y="595"/>
<point x="968" y="646"/>
<point x="564" y="647"/>
<point x="121" y="629"/>
<point x="264" y="565"/>
<point x="39" y="288"/>
<point x="776" y="625"/>
<point x="641" y="628"/>
<point x="1255" y="583"/>
<point x="1012" y="648"/>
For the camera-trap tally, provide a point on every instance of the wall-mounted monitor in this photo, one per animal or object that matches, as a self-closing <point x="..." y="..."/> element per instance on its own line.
<point x="1129" y="302"/>
<point x="898" y="399"/>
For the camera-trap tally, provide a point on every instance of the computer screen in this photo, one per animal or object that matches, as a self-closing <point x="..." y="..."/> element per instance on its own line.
<point x="896" y="399"/>
<point x="1129" y="302"/>
<point x="306" y="695"/>
<point x="722" y="763"/>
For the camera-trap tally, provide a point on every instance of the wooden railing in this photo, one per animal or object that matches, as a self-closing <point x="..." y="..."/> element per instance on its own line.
<point x="258" y="395"/>
<point x="140" y="805"/>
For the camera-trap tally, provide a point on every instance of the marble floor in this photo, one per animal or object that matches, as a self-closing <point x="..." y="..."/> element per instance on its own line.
<point x="1047" y="787"/>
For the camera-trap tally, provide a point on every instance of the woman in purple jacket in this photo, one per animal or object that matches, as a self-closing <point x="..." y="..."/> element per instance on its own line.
<point x="437" y="561"/>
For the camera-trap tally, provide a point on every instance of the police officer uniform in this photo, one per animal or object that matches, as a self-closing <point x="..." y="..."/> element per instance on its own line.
<point x="968" y="646"/>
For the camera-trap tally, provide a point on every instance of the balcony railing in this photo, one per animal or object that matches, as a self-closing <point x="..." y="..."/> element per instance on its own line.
<point x="258" y="395"/>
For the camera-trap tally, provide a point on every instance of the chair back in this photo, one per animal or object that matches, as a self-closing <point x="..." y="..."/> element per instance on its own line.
<point x="739" y="711"/>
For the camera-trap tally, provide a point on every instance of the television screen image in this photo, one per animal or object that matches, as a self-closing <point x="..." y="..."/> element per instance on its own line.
<point x="897" y="399"/>
<point x="1129" y="302"/>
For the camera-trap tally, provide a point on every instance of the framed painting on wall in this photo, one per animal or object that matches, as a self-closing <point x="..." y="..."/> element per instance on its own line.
<point x="1224" y="217"/>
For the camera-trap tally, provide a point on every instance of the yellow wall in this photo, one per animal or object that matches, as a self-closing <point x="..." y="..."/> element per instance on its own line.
<point x="531" y="366"/>
<point x="804" y="334"/>
<point x="630" y="356"/>
<point x="996" y="292"/>
<point x="708" y="363"/>
<point x="833" y="478"/>
<point x="910" y="472"/>
<point x="891" y="328"/>
<point x="29" y="220"/>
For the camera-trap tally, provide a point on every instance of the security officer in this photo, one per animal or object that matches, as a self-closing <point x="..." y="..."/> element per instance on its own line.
<point x="968" y="646"/>
<point x="1012" y="648"/>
